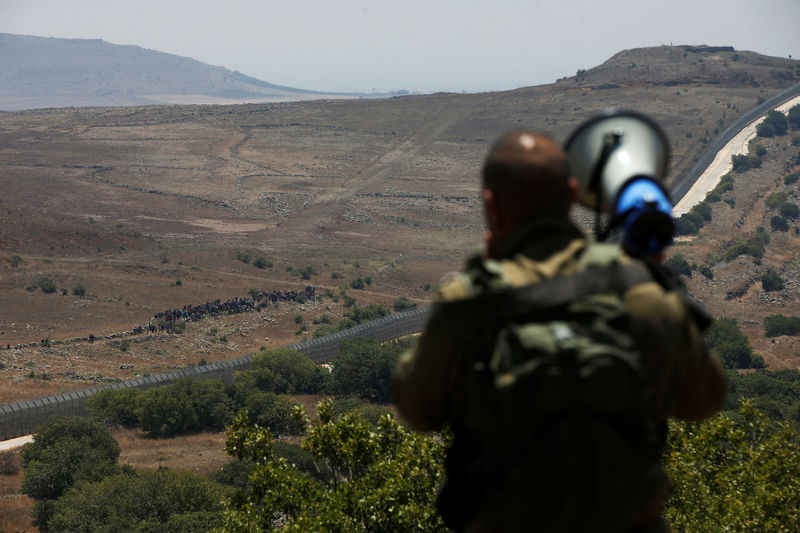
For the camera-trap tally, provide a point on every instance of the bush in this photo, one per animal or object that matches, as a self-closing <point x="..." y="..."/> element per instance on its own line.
<point x="262" y="262"/>
<point x="79" y="289"/>
<point x="703" y="210"/>
<point x="679" y="265"/>
<point x="761" y="151"/>
<point x="789" y="210"/>
<point x="66" y="450"/>
<point x="243" y="257"/>
<point x="706" y="271"/>
<point x="731" y="345"/>
<point x="684" y="225"/>
<point x="776" y="325"/>
<point x="272" y="411"/>
<point x="14" y="260"/>
<point x="283" y="371"/>
<point x="403" y="304"/>
<point x="791" y="178"/>
<point x="778" y="223"/>
<point x="741" y="163"/>
<point x="47" y="285"/>
<point x="364" y="367"/>
<point x="115" y="407"/>
<point x="159" y="501"/>
<point x="357" y="283"/>
<point x="183" y="406"/>
<point x="771" y="281"/>
<point x="794" y="117"/>
<point x="775" y="199"/>
<point x="778" y="121"/>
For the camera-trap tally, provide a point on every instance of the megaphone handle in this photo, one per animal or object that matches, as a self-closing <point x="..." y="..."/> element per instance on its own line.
<point x="610" y="143"/>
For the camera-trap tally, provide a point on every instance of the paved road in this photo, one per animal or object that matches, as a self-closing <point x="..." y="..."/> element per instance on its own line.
<point x="722" y="164"/>
<point x="15" y="443"/>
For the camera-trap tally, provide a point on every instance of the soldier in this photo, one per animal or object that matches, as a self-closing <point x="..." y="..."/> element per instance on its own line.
<point x="527" y="195"/>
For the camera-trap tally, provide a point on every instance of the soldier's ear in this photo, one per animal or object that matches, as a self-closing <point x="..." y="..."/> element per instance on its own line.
<point x="490" y="209"/>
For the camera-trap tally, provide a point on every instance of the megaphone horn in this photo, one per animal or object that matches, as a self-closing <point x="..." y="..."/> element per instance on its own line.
<point x="620" y="159"/>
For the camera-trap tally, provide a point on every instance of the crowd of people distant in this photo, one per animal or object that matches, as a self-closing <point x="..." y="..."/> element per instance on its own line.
<point x="167" y="320"/>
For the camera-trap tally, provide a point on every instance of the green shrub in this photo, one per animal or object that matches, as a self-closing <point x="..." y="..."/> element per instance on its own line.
<point x="262" y="262"/>
<point x="731" y="345"/>
<point x="160" y="501"/>
<point x="79" y="289"/>
<point x="775" y="325"/>
<point x="778" y="223"/>
<point x="183" y="406"/>
<point x="364" y="367"/>
<point x="789" y="210"/>
<point x="771" y="281"/>
<point x="791" y="178"/>
<point x="679" y="265"/>
<point x="402" y="304"/>
<point x="706" y="271"/>
<point x="761" y="151"/>
<point x="775" y="199"/>
<point x="244" y="257"/>
<point x="14" y="260"/>
<point x="47" y="285"/>
<point x="114" y="406"/>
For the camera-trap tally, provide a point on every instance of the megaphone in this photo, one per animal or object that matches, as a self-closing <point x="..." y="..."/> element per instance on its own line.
<point x="620" y="159"/>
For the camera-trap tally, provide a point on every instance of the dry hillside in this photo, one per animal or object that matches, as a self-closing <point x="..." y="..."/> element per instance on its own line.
<point x="149" y="207"/>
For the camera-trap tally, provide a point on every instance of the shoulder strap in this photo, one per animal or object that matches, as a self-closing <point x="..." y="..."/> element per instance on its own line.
<point x="552" y="293"/>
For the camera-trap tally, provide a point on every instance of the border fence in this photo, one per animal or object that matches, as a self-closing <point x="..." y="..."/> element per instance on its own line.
<point x="22" y="418"/>
<point x="682" y="186"/>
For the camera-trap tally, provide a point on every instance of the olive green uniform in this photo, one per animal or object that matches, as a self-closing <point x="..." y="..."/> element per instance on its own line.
<point x="428" y="386"/>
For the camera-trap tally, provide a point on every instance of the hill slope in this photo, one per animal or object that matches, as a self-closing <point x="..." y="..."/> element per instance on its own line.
<point x="40" y="72"/>
<point x="155" y="207"/>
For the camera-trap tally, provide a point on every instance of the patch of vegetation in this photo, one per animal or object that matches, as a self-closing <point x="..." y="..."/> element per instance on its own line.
<point x="778" y="223"/>
<point x="47" y="285"/>
<point x="776" y="325"/>
<point x="262" y="262"/>
<point x="244" y="257"/>
<point x="79" y="289"/>
<point x="771" y="281"/>
<point x="753" y="246"/>
<point x="14" y="260"/>
<point x="774" y="124"/>
<point x="679" y="265"/>
<point x="402" y="304"/>
<point x="775" y="199"/>
<point x="731" y="345"/>
<point x="791" y="178"/>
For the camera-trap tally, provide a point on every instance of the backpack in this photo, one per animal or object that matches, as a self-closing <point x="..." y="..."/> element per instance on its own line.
<point x="558" y="432"/>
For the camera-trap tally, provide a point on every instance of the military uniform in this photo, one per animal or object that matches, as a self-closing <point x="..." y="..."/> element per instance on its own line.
<point x="429" y="383"/>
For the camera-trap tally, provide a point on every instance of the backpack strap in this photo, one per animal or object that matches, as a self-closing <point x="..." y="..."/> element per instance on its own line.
<point x="546" y="295"/>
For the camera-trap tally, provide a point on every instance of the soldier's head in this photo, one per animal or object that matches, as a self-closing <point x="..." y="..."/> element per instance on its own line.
<point x="525" y="176"/>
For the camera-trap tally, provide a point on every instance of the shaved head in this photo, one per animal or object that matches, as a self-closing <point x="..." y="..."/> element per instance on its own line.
<point x="527" y="173"/>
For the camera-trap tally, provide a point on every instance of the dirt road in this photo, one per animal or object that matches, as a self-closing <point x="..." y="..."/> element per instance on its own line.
<point x="722" y="163"/>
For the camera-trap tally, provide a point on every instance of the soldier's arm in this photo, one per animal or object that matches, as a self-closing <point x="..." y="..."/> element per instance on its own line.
<point x="424" y="377"/>
<point x="689" y="380"/>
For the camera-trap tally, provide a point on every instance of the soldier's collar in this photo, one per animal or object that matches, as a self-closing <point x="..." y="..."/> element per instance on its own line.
<point x="540" y="238"/>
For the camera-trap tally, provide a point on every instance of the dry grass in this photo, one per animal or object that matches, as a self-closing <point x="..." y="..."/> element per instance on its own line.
<point x="16" y="508"/>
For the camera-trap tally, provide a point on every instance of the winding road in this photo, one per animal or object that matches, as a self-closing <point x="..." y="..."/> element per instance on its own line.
<point x="722" y="164"/>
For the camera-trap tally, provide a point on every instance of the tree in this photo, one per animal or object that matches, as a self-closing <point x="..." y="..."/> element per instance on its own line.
<point x="380" y="478"/>
<point x="65" y="450"/>
<point x="163" y="500"/>
<point x="285" y="371"/>
<point x="771" y="281"/>
<point x="679" y="265"/>
<point x="778" y="223"/>
<point x="47" y="285"/>
<point x="114" y="406"/>
<point x="731" y="345"/>
<point x="775" y="325"/>
<point x="182" y="406"/>
<point x="794" y="117"/>
<point x="364" y="367"/>
<point x="789" y="210"/>
<point x="742" y="472"/>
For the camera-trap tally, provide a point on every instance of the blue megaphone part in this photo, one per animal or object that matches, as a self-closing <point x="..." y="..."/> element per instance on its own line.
<point x="644" y="209"/>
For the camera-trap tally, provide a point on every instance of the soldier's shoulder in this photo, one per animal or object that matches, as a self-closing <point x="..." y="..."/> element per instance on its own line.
<point x="479" y="275"/>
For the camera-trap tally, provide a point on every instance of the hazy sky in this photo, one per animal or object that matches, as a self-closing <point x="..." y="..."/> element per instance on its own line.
<point x="418" y="45"/>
